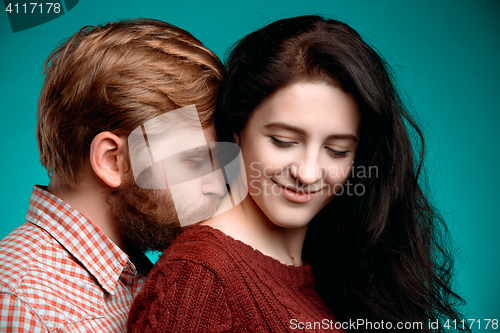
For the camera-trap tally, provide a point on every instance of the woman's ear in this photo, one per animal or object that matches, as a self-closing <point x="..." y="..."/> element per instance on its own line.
<point x="107" y="158"/>
<point x="236" y="138"/>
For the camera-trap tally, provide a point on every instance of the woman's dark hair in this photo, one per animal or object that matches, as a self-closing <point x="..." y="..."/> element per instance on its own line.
<point x="382" y="255"/>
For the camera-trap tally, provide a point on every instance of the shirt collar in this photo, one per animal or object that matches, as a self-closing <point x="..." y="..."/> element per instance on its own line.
<point x="85" y="241"/>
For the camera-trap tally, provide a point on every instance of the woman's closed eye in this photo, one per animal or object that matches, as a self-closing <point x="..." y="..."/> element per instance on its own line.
<point x="280" y="143"/>
<point x="336" y="153"/>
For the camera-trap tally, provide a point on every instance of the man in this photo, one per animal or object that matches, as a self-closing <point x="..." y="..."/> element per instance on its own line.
<point x="77" y="262"/>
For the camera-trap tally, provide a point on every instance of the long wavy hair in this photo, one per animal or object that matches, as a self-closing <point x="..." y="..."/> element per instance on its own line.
<point x="384" y="254"/>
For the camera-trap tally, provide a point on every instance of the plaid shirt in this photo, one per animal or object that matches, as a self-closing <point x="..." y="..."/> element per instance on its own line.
<point x="60" y="273"/>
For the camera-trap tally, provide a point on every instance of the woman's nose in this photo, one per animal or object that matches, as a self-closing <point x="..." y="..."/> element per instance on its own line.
<point x="307" y="169"/>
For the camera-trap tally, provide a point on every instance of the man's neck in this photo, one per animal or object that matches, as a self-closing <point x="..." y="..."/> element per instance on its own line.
<point x="89" y="199"/>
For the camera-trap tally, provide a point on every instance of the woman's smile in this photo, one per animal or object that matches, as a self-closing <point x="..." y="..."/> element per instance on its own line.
<point x="299" y="195"/>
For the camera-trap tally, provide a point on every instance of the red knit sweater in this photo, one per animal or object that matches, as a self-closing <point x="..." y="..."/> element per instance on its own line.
<point x="207" y="281"/>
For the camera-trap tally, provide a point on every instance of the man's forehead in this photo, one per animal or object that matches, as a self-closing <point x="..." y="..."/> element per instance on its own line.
<point x="165" y="135"/>
<point x="181" y="139"/>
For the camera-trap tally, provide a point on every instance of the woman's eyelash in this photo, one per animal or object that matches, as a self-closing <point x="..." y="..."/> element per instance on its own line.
<point x="336" y="154"/>
<point x="281" y="144"/>
<point x="332" y="152"/>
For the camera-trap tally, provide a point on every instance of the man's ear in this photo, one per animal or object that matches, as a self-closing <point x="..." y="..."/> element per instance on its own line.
<point x="107" y="158"/>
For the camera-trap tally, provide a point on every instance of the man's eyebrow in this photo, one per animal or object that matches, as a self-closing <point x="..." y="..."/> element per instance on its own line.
<point x="289" y="127"/>
<point x="194" y="152"/>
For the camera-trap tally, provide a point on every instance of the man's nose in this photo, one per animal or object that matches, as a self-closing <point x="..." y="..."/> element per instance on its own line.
<point x="214" y="184"/>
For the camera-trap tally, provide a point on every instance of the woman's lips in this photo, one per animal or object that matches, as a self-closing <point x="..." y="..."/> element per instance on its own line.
<point x="296" y="195"/>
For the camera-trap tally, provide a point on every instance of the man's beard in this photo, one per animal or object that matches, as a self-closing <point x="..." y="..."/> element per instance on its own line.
<point x="148" y="220"/>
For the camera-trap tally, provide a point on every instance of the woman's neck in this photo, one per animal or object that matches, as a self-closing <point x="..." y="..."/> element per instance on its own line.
<point x="248" y="223"/>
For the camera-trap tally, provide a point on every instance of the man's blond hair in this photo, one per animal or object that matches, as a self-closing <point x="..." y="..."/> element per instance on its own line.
<point x="115" y="77"/>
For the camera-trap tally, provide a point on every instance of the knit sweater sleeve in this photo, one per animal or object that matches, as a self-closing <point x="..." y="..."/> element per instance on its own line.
<point x="180" y="296"/>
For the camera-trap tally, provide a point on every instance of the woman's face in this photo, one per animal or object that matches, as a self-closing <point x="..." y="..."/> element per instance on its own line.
<point x="298" y="148"/>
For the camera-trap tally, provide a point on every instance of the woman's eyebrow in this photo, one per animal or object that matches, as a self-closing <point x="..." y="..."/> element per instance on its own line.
<point x="345" y="136"/>
<point x="286" y="126"/>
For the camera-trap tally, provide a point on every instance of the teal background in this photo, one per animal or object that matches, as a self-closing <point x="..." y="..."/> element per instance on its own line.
<point x="24" y="15"/>
<point x="446" y="58"/>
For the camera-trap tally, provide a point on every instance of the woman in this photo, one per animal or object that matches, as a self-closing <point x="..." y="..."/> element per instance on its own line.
<point x="334" y="193"/>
